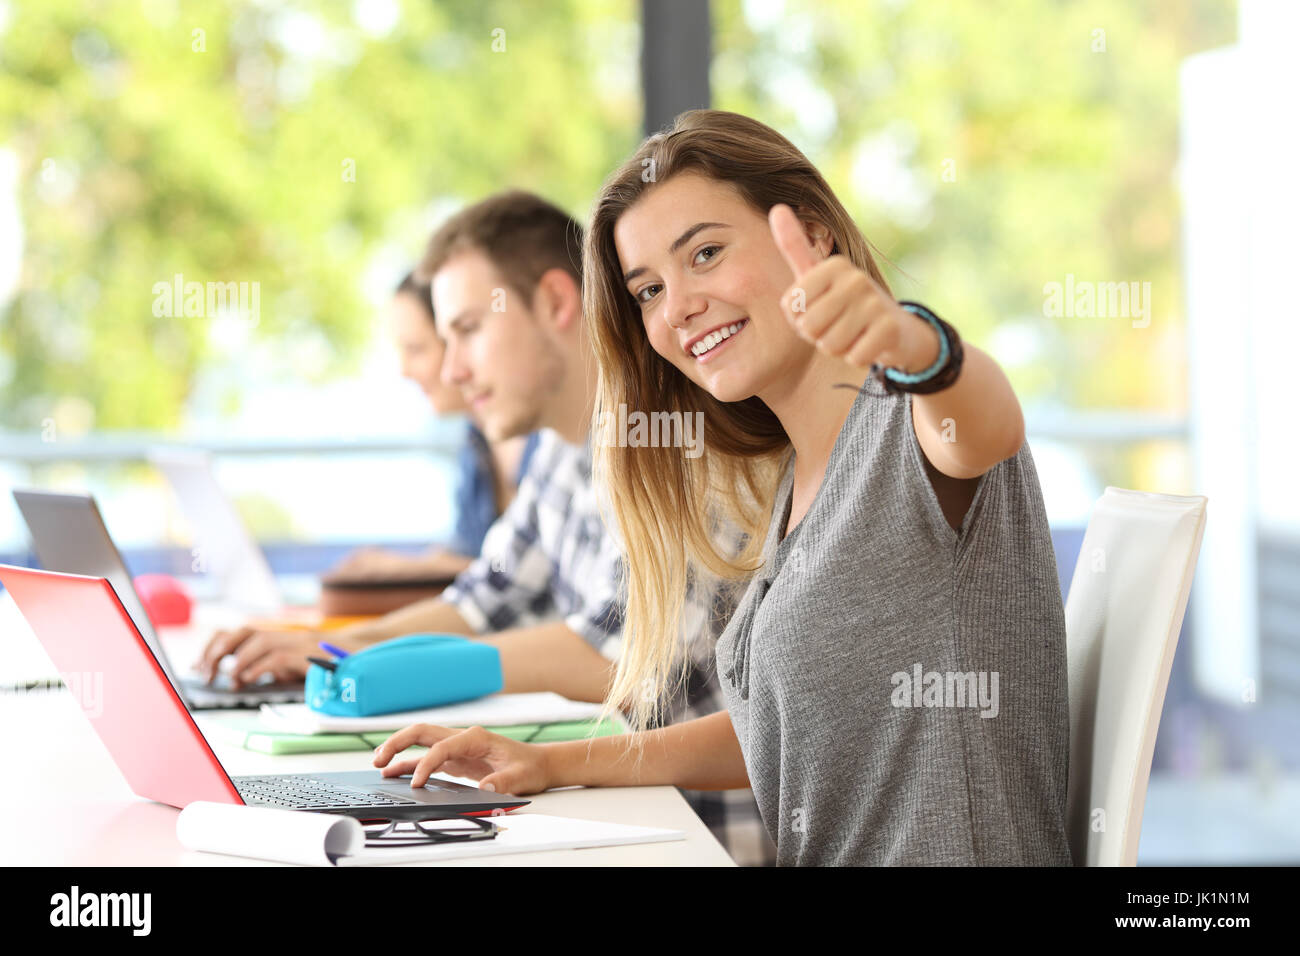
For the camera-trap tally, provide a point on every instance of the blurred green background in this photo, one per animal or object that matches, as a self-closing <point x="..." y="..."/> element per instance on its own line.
<point x="985" y="149"/>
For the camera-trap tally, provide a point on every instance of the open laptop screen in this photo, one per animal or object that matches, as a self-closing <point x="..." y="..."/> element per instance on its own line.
<point x="69" y="536"/>
<point x="141" y="720"/>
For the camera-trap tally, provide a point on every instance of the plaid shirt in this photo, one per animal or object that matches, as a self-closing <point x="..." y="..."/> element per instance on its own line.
<point x="549" y="556"/>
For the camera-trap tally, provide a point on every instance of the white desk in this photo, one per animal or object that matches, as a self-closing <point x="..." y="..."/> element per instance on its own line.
<point x="66" y="804"/>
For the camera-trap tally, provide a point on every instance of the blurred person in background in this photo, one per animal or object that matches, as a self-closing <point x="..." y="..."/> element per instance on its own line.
<point x="487" y="473"/>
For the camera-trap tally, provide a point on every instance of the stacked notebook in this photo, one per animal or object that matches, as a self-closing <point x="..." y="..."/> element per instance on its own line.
<point x="295" y="728"/>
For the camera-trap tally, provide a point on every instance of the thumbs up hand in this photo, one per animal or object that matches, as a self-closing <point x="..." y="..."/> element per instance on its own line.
<point x="840" y="309"/>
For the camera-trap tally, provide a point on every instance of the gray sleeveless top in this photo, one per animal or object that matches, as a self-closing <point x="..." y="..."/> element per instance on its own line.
<point x="899" y="688"/>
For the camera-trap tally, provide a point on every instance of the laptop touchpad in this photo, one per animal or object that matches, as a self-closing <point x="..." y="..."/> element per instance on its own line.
<point x="403" y="785"/>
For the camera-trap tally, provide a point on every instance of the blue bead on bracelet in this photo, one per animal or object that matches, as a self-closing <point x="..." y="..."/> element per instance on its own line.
<point x="914" y="378"/>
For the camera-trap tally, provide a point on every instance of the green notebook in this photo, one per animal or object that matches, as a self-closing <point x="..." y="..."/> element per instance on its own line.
<point x="247" y="731"/>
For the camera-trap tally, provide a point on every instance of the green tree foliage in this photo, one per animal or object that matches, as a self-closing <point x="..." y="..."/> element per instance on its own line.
<point x="215" y="140"/>
<point x="987" y="149"/>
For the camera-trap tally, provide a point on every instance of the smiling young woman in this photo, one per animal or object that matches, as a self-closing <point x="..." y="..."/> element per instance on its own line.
<point x="865" y="508"/>
<point x="873" y="541"/>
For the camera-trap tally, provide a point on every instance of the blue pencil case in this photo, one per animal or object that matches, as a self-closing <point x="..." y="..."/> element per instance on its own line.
<point x="407" y="673"/>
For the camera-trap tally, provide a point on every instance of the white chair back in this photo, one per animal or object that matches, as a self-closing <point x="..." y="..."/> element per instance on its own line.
<point x="1122" y="618"/>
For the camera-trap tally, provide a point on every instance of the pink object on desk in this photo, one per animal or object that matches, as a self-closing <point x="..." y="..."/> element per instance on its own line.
<point x="165" y="601"/>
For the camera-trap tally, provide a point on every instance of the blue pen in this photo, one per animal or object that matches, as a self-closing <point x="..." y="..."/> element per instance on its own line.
<point x="331" y="649"/>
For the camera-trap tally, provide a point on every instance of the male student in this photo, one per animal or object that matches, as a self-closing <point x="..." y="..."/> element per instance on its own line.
<point x="506" y="279"/>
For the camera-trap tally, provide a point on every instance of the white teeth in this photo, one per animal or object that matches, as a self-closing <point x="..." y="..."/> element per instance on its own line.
<point x="713" y="338"/>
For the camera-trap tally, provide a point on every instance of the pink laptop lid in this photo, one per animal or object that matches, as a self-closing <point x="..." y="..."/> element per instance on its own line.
<point x="143" y="723"/>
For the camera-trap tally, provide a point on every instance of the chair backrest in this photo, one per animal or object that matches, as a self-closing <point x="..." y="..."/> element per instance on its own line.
<point x="1122" y="619"/>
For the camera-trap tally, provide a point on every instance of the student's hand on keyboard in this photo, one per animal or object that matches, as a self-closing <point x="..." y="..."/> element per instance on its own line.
<point x="282" y="654"/>
<point x="498" y="763"/>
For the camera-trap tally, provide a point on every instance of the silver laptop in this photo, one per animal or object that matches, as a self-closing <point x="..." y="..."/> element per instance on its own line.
<point x="230" y="556"/>
<point x="69" y="535"/>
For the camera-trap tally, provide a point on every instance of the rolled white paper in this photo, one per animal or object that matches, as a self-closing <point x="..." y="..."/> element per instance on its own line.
<point x="285" y="836"/>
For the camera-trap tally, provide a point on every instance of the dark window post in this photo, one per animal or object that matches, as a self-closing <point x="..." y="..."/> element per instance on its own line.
<point x="675" y="52"/>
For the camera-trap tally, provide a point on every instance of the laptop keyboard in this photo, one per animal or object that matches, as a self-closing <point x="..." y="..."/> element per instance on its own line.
<point x="308" y="793"/>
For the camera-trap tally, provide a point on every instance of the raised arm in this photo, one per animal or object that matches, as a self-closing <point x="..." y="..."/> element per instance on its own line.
<point x="966" y="428"/>
<point x="973" y="424"/>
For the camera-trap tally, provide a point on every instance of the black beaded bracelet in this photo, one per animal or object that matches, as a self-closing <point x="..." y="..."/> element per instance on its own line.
<point x="934" y="379"/>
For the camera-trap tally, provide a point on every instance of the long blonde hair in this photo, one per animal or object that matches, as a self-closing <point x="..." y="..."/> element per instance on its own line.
<point x="670" y="509"/>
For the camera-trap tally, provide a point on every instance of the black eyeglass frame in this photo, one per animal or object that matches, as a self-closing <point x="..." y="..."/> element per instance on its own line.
<point x="428" y="831"/>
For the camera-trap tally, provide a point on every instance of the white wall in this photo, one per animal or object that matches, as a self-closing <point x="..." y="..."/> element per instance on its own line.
<point x="1241" y="259"/>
